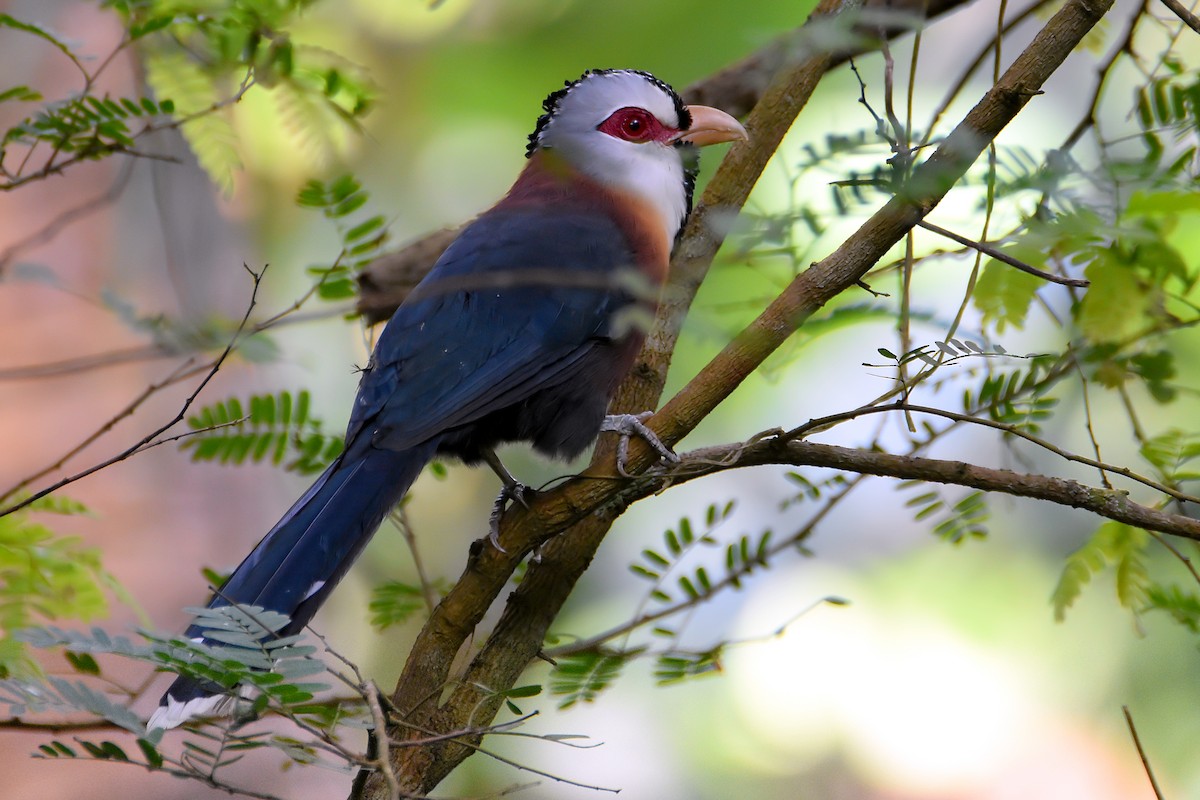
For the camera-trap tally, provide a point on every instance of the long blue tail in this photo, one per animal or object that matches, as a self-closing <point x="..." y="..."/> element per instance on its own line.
<point x="300" y="561"/>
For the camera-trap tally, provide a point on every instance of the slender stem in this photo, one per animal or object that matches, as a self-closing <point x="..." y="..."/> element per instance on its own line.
<point x="1137" y="742"/>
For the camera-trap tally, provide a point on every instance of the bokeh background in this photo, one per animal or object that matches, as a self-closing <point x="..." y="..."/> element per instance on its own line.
<point x="944" y="676"/>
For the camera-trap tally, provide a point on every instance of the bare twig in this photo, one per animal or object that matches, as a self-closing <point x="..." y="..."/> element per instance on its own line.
<point x="1188" y="18"/>
<point x="1003" y="257"/>
<point x="55" y="226"/>
<point x="1137" y="742"/>
<point x="150" y="437"/>
<point x="1108" y="503"/>
<point x="383" y="760"/>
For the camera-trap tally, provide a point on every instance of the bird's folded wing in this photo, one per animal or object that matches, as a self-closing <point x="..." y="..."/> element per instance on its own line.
<point x="523" y="299"/>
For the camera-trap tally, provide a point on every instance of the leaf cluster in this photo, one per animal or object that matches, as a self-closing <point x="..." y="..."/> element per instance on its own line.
<point x="89" y="127"/>
<point x="1114" y="545"/>
<point x="954" y="521"/>
<point x="394" y="603"/>
<point x="241" y="647"/>
<point x="362" y="236"/>
<point x="656" y="564"/>
<point x="274" y="428"/>
<point x="44" y="577"/>
<point x="581" y="677"/>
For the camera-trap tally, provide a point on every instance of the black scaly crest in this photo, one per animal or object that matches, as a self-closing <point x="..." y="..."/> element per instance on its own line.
<point x="551" y="103"/>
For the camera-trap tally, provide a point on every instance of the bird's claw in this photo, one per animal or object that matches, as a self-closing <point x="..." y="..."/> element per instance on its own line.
<point x="509" y="493"/>
<point x="628" y="425"/>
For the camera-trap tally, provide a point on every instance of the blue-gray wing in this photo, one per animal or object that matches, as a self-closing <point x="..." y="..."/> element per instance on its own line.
<point x="512" y="307"/>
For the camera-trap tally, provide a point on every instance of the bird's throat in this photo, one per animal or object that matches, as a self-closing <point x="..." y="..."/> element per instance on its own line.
<point x="548" y="181"/>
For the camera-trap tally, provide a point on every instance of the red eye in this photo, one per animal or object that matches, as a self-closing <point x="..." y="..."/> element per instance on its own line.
<point x="633" y="125"/>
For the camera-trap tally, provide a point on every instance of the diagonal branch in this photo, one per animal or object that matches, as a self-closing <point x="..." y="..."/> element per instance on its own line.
<point x="1188" y="18"/>
<point x="597" y="497"/>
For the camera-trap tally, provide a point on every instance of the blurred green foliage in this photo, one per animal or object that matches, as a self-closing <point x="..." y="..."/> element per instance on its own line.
<point x="271" y="94"/>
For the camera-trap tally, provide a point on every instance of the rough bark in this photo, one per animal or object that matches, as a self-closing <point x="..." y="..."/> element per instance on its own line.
<point x="578" y="514"/>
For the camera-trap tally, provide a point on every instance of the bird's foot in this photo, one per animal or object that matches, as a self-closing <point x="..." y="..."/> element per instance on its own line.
<point x="628" y="425"/>
<point x="511" y="492"/>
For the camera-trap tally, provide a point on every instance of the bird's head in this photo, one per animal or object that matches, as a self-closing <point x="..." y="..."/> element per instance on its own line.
<point x="631" y="132"/>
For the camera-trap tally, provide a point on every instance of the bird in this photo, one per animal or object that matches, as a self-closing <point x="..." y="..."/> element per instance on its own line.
<point x="521" y="332"/>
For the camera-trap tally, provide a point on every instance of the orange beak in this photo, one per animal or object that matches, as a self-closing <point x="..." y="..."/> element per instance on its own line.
<point x="712" y="126"/>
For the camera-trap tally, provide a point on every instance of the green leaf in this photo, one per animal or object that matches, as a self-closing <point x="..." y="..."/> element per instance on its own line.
<point x="1183" y="606"/>
<point x="1004" y="294"/>
<point x="349" y="205"/>
<point x="153" y="758"/>
<point x="209" y="133"/>
<point x="138" y="30"/>
<point x="21" y="94"/>
<point x="393" y="603"/>
<point x="1113" y="544"/>
<point x="83" y="663"/>
<point x="580" y="677"/>
<point x="1116" y="303"/>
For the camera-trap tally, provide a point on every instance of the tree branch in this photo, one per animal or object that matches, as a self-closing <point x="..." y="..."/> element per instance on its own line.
<point x="1003" y="257"/>
<point x="1112" y="504"/>
<point x="1187" y="17"/>
<point x="736" y="89"/>
<point x="596" y="498"/>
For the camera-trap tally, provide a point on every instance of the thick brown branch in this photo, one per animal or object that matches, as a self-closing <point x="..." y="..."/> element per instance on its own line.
<point x="1112" y="504"/>
<point x="596" y="498"/>
<point x="517" y="639"/>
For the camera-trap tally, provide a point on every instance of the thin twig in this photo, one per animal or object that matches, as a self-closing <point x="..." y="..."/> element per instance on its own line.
<point x="184" y="371"/>
<point x="1181" y="11"/>
<point x="399" y="516"/>
<point x="1001" y="256"/>
<point x="18" y="724"/>
<point x="383" y="760"/>
<point x="1137" y="742"/>
<point x="179" y="416"/>
<point x="80" y="364"/>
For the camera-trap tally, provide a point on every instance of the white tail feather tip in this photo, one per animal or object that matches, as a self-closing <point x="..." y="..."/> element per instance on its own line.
<point x="174" y="713"/>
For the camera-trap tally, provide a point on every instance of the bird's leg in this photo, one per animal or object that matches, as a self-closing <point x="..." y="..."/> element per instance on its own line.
<point x="627" y="425"/>
<point x="513" y="489"/>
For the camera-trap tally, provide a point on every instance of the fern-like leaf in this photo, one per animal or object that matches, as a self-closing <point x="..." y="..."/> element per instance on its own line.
<point x="276" y="429"/>
<point x="1114" y="544"/>
<point x="580" y="677"/>
<point x="197" y="95"/>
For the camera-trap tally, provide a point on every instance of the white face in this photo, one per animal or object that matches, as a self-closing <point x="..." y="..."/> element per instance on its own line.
<point x="651" y="169"/>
